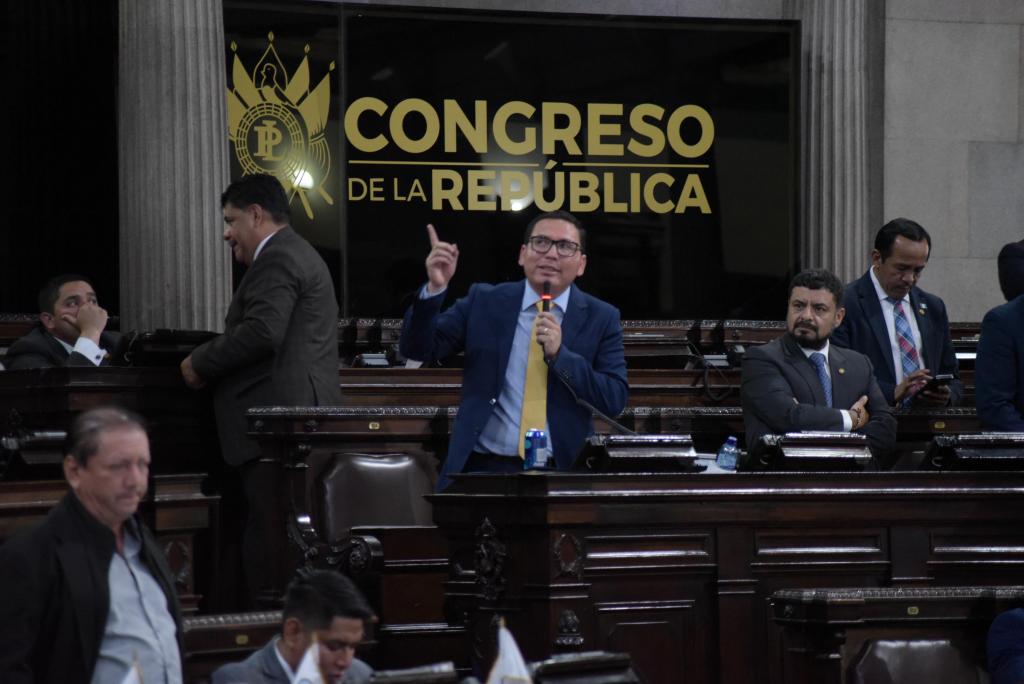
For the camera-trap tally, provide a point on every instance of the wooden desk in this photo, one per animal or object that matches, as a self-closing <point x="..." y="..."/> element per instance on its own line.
<point x="383" y="428"/>
<point x="679" y="570"/>
<point x="180" y="421"/>
<point x="443" y="387"/>
<point x="826" y="630"/>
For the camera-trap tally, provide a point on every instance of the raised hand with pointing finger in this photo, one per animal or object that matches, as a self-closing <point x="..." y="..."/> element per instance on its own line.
<point x="441" y="262"/>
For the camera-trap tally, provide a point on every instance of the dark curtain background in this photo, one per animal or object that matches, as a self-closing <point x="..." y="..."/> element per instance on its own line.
<point x="59" y="131"/>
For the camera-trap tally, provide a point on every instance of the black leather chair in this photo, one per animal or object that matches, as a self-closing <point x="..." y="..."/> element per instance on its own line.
<point x="914" y="661"/>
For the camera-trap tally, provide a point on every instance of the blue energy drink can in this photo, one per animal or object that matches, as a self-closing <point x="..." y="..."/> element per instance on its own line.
<point x="535" y="450"/>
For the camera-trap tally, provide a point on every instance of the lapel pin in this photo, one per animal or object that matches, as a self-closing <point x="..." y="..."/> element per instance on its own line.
<point x="842" y="370"/>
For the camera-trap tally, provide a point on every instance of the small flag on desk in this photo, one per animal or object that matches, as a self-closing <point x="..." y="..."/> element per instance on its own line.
<point x="309" y="668"/>
<point x="509" y="667"/>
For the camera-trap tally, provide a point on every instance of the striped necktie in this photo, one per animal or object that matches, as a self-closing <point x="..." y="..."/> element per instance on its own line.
<point x="535" y="391"/>
<point x="909" y="359"/>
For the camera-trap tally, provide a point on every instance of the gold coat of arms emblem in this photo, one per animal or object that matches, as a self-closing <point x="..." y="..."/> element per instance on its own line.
<point x="277" y="124"/>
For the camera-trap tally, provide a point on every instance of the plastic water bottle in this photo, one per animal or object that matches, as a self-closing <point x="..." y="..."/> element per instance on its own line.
<point x="727" y="454"/>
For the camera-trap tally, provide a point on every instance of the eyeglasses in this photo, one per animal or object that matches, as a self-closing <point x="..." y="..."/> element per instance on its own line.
<point x="542" y="245"/>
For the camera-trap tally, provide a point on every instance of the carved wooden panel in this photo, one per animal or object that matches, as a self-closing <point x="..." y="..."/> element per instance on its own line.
<point x="660" y="636"/>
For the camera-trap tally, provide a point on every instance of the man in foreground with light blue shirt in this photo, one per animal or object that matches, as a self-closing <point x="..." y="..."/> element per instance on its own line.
<point x="87" y="594"/>
<point x="580" y="340"/>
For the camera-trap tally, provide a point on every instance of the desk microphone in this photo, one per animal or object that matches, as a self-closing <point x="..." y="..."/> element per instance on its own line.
<point x="622" y="429"/>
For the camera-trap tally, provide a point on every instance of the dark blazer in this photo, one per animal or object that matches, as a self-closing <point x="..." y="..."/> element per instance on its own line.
<point x="280" y="342"/>
<point x="1005" y="648"/>
<point x="781" y="393"/>
<point x="999" y="368"/>
<point x="864" y="330"/>
<point x="54" y="596"/>
<point x="482" y="324"/>
<point x="263" y="667"/>
<point x="39" y="349"/>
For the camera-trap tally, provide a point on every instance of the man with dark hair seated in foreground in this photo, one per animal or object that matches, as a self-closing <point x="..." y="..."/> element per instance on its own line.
<point x="322" y="605"/>
<point x="70" y="331"/>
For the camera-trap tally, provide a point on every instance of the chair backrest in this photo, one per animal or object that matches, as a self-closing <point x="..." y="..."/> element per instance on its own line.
<point x="375" y="489"/>
<point x="912" y="661"/>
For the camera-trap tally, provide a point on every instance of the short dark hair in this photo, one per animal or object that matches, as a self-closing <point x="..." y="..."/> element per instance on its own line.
<point x="49" y="293"/>
<point x="818" y="279"/>
<point x="84" y="436"/>
<point x="316" y="597"/>
<point x="262" y="189"/>
<point x="900" y="227"/>
<point x="561" y="216"/>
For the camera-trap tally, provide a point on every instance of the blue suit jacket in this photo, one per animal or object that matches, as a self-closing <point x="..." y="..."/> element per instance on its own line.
<point x="482" y="324"/>
<point x="999" y="368"/>
<point x="1005" y="648"/>
<point x="864" y="330"/>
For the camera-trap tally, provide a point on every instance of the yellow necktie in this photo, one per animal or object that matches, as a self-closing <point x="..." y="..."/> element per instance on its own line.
<point x="535" y="393"/>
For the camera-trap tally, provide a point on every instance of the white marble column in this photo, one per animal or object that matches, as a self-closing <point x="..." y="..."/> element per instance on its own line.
<point x="835" y="209"/>
<point x="173" y="164"/>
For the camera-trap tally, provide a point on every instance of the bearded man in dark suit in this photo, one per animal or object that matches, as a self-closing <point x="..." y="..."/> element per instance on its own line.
<point x="800" y="382"/>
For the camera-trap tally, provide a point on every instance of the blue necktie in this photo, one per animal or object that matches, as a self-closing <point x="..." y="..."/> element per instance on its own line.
<point x="819" y="361"/>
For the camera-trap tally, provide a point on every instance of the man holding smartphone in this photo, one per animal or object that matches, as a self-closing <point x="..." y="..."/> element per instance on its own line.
<point x="900" y="327"/>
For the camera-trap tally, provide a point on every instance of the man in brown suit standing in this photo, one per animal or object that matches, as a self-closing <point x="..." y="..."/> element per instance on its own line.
<point x="279" y="347"/>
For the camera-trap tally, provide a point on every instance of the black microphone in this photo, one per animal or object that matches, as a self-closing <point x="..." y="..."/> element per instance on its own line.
<point x="545" y="301"/>
<point x="593" y="411"/>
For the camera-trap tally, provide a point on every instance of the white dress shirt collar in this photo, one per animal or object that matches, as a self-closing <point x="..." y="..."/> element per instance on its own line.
<point x="530" y="298"/>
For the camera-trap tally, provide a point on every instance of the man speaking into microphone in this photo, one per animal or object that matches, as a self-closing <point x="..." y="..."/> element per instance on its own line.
<point x="522" y="365"/>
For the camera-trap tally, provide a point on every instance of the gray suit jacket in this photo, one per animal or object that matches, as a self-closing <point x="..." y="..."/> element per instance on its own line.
<point x="280" y="343"/>
<point x="781" y="393"/>
<point x="263" y="667"/>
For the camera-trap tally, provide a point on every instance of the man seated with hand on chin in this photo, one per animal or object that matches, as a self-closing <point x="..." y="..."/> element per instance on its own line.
<point x="70" y="332"/>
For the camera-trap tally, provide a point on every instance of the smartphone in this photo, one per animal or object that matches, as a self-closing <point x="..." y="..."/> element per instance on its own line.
<point x="940" y="380"/>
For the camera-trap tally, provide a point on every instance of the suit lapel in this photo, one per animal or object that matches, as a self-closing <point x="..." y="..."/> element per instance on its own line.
<point x="505" y="317"/>
<point x="840" y="384"/>
<point x="575" y="316"/>
<point x="79" y="571"/>
<point x="872" y="309"/>
<point x="806" y="369"/>
<point x="271" y="666"/>
<point x="924" y="326"/>
<point x="234" y="314"/>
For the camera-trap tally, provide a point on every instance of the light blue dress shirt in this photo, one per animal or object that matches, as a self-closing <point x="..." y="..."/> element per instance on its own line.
<point x="139" y="625"/>
<point x="501" y="433"/>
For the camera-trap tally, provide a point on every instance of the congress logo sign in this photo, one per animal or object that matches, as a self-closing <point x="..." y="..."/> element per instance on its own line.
<point x="276" y="124"/>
